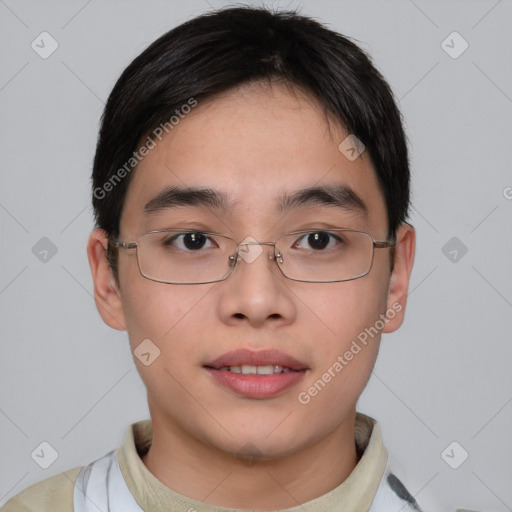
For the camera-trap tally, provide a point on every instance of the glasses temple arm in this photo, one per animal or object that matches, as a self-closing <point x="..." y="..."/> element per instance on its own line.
<point x="123" y="245"/>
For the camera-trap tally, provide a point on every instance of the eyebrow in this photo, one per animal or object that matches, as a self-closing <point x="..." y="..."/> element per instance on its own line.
<point x="172" y="197"/>
<point x="340" y="196"/>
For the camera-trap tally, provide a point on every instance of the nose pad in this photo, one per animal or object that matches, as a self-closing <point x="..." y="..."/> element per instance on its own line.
<point x="248" y="257"/>
<point x="276" y="256"/>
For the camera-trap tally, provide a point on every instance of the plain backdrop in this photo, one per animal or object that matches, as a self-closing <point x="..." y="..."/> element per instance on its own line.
<point x="69" y="380"/>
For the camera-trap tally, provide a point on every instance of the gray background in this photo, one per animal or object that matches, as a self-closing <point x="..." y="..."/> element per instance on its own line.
<point x="69" y="380"/>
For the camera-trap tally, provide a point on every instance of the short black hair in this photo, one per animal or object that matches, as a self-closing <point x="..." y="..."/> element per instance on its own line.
<point x="229" y="47"/>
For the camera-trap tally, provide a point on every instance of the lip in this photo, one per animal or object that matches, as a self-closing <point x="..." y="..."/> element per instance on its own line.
<point x="260" y="358"/>
<point x="256" y="386"/>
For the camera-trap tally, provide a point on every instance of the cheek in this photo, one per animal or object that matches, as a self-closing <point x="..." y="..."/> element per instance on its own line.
<point x="170" y="317"/>
<point x="161" y="312"/>
<point x="338" y="312"/>
<point x="344" y="322"/>
<point x="344" y="357"/>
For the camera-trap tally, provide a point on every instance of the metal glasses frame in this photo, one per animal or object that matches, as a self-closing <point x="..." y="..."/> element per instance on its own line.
<point x="233" y="259"/>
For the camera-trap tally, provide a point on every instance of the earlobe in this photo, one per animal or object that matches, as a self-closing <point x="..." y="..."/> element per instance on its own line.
<point x="106" y="293"/>
<point x="399" y="280"/>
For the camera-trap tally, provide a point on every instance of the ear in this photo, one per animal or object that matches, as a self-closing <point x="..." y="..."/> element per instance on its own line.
<point x="399" y="280"/>
<point x="106" y="293"/>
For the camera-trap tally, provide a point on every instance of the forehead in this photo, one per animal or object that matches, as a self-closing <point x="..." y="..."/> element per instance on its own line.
<point x="257" y="145"/>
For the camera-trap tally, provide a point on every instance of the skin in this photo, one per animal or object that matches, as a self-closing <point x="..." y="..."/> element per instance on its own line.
<point x="253" y="143"/>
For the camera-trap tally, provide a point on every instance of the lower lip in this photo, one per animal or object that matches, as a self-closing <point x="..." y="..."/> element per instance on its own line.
<point x="257" y="386"/>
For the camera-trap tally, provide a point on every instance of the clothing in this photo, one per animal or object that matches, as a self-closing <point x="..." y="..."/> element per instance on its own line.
<point x="120" y="482"/>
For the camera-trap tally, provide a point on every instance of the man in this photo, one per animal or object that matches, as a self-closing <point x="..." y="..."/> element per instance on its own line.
<point x="251" y="190"/>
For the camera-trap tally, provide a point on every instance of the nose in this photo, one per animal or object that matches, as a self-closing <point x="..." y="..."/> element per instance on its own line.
<point x="256" y="292"/>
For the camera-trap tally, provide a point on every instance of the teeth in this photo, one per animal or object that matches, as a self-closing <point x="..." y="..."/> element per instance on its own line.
<point x="265" y="370"/>
<point x="248" y="369"/>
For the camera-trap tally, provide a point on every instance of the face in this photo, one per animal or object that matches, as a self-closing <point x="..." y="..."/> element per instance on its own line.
<point x="256" y="145"/>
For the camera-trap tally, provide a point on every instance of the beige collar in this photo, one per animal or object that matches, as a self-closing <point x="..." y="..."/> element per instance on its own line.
<point x="355" y="494"/>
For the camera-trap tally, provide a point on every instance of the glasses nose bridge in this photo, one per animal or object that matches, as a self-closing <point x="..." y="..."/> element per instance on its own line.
<point x="272" y="256"/>
<point x="255" y="242"/>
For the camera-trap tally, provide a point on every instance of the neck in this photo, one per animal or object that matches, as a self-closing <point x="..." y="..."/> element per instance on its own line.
<point x="201" y="472"/>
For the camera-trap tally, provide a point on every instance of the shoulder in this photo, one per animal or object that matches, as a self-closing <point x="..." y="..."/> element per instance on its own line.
<point x="55" y="494"/>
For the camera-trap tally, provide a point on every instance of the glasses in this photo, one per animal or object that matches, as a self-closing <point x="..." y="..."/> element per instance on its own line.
<point x="177" y="256"/>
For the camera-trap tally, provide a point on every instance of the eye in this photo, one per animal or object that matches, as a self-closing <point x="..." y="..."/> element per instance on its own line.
<point x="192" y="241"/>
<point x="317" y="240"/>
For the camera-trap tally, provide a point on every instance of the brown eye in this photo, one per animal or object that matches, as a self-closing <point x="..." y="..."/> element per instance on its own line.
<point x="318" y="240"/>
<point x="193" y="241"/>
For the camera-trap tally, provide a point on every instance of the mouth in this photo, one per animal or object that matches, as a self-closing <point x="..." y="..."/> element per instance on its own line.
<point x="259" y="375"/>
<point x="247" y="369"/>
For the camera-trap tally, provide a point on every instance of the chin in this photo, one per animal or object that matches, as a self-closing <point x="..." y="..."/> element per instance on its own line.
<point x="257" y="448"/>
<point x="263" y="440"/>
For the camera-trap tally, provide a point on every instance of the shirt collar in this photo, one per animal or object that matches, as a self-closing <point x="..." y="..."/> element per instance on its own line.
<point x="355" y="494"/>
